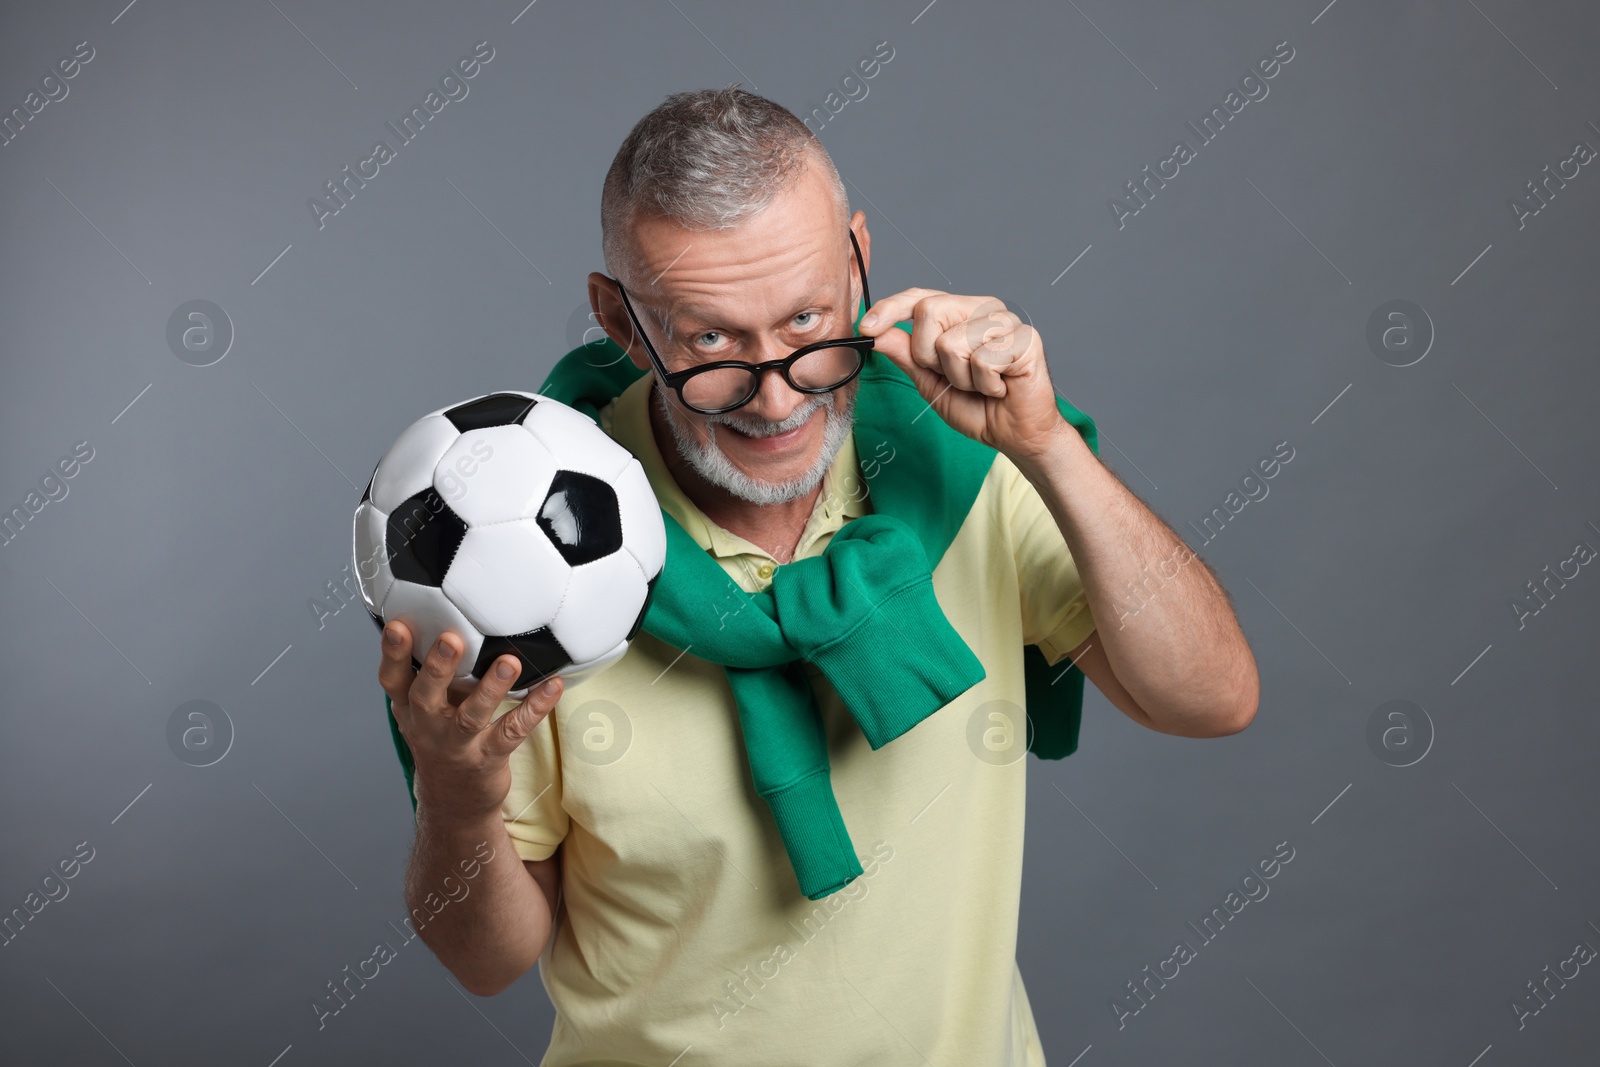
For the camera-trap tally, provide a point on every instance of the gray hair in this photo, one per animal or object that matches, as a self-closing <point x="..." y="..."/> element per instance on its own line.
<point x="707" y="159"/>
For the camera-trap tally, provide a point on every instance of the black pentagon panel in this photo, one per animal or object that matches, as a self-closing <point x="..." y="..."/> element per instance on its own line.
<point x="377" y="621"/>
<point x="649" y="595"/>
<point x="496" y="409"/>
<point x="541" y="655"/>
<point x="422" y="538"/>
<point x="366" y="494"/>
<point x="581" y="517"/>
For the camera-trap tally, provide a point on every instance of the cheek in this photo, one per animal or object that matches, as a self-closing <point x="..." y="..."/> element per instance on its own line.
<point x="688" y="422"/>
<point x="844" y="399"/>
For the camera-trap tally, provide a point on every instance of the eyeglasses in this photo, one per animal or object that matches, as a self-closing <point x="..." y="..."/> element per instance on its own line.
<point x="724" y="385"/>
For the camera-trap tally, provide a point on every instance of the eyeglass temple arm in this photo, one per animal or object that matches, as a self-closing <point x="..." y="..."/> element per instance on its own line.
<point x="861" y="266"/>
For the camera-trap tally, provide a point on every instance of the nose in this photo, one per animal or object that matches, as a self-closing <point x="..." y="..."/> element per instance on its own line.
<point x="775" y="399"/>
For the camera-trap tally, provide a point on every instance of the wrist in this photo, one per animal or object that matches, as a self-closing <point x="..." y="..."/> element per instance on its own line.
<point x="452" y="806"/>
<point x="1053" y="450"/>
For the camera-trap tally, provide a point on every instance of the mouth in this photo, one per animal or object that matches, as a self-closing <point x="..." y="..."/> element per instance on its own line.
<point x="772" y="443"/>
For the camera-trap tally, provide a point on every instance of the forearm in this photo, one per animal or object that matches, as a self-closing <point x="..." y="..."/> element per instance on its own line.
<point x="490" y="936"/>
<point x="1164" y="621"/>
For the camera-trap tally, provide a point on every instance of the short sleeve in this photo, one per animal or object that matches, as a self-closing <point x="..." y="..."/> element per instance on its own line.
<point x="533" y="812"/>
<point x="1055" y="606"/>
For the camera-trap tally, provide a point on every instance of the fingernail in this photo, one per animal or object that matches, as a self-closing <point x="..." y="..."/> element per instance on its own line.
<point x="871" y="319"/>
<point x="445" y="650"/>
<point x="548" y="688"/>
<point x="391" y="635"/>
<point x="502" y="670"/>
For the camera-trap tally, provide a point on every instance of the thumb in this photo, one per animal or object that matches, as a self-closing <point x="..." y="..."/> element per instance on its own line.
<point x="517" y="724"/>
<point x="896" y="345"/>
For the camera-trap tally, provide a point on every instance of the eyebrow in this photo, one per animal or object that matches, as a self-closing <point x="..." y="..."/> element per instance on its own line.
<point x="691" y="310"/>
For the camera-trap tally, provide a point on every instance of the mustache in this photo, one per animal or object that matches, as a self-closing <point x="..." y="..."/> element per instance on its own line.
<point x="755" y="426"/>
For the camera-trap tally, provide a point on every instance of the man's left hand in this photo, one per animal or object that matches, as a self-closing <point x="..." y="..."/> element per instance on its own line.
<point x="979" y="366"/>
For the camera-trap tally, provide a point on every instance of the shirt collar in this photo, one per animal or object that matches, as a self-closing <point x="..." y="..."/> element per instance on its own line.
<point x="627" y="420"/>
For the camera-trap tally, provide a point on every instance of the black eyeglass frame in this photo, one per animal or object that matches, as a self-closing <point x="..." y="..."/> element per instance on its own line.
<point x="675" y="380"/>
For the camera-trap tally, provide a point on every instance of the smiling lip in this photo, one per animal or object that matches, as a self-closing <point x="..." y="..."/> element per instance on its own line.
<point x="775" y="443"/>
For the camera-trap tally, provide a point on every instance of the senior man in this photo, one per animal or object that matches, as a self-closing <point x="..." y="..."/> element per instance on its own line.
<point x="702" y="880"/>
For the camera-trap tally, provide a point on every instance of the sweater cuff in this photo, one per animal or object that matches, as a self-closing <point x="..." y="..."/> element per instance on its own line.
<point x="927" y="663"/>
<point x="813" y="834"/>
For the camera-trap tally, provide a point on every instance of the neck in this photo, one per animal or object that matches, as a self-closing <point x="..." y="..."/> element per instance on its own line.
<point x="775" y="528"/>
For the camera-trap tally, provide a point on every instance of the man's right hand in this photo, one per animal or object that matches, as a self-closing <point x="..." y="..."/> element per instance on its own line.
<point x="462" y="753"/>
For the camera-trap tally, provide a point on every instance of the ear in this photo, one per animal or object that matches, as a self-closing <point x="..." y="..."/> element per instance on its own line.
<point x="606" y="303"/>
<point x="858" y="226"/>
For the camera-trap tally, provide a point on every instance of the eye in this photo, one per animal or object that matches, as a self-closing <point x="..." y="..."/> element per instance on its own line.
<point x="708" y="339"/>
<point x="811" y="319"/>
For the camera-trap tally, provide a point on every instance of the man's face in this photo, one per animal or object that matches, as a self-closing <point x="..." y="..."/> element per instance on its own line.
<point x="778" y="282"/>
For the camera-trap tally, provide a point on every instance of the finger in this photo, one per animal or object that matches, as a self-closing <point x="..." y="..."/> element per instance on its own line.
<point x="979" y="326"/>
<point x="429" y="688"/>
<point x="892" y="309"/>
<point x="986" y="377"/>
<point x="896" y="344"/>
<point x="395" y="671"/>
<point x="480" y="705"/>
<point x="515" y="725"/>
<point x="999" y="342"/>
<point x="1001" y="339"/>
<point x="930" y="318"/>
<point x="953" y="350"/>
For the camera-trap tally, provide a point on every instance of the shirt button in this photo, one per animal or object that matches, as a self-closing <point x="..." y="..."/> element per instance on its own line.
<point x="765" y="570"/>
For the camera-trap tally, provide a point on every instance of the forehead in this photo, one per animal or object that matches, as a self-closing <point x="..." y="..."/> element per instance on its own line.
<point x="793" y="252"/>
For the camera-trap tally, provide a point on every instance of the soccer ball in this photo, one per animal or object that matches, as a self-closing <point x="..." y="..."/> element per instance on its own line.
<point x="515" y="521"/>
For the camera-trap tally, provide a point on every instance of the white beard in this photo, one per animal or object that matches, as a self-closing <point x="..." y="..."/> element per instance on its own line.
<point x="714" y="466"/>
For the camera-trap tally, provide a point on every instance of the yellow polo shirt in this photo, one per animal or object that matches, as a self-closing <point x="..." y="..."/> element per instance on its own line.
<point x="683" y="937"/>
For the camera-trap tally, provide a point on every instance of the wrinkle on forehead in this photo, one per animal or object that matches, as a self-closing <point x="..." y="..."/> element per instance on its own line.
<point x="691" y="313"/>
<point x="752" y="294"/>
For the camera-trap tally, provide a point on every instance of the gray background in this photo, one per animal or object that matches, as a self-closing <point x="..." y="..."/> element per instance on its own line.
<point x="1225" y="317"/>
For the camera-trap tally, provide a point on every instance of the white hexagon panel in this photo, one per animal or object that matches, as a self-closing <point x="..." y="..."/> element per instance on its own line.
<point x="643" y="531"/>
<point x="494" y="474"/>
<point x="602" y="601"/>
<point x="407" y="468"/>
<point x="507" y="578"/>
<point x="571" y="436"/>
